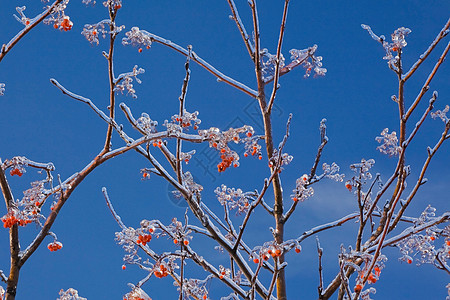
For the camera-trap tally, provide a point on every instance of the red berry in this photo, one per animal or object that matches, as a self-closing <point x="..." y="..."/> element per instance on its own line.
<point x="124" y="267"/>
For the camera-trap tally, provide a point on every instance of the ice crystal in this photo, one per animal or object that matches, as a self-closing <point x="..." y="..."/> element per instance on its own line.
<point x="195" y="288"/>
<point x="116" y="4"/>
<point x="70" y="294"/>
<point x="2" y="89"/>
<point x="187" y="119"/>
<point x="442" y="114"/>
<point x="309" y="60"/>
<point x="137" y="37"/>
<point x="275" y="160"/>
<point x="302" y="191"/>
<point x="124" y="82"/>
<point x="389" y="143"/>
<point x="22" y="18"/>
<point x="269" y="62"/>
<point x="146" y="124"/>
<point x="92" y="32"/>
<point x="398" y="42"/>
<point x="136" y="294"/>
<point x="332" y="172"/>
<point x="362" y="170"/>
<point x="87" y="2"/>
<point x="233" y="198"/>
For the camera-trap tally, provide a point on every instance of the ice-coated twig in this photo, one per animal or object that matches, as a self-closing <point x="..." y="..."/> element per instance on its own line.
<point x="111" y="208"/>
<point x="182" y="99"/>
<point x="444" y="32"/>
<point x="276" y="75"/>
<point x="422" y="119"/>
<point x="274" y="279"/>
<point x="445" y="217"/>
<point x="13" y="232"/>
<point x="266" y="185"/>
<point x="426" y="85"/>
<point x="240" y="25"/>
<point x="87" y="101"/>
<point x="33" y="22"/>
<point x="319" y="254"/>
<point x="381" y="240"/>
<point x="3" y="277"/>
<point x="257" y="41"/>
<point x="220" y="76"/>
<point x="323" y="142"/>
<point x="421" y="176"/>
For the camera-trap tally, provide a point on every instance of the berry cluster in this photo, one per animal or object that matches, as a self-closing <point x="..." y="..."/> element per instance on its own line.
<point x="55" y="246"/>
<point x="144" y="239"/>
<point x="16" y="171"/>
<point x="161" y="271"/>
<point x="10" y="219"/>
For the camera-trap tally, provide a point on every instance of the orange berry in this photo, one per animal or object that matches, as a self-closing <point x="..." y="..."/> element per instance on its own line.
<point x="260" y="157"/>
<point x="265" y="257"/>
<point x="140" y="50"/>
<point x="205" y="297"/>
<point x="256" y="261"/>
<point x="447" y="242"/>
<point x="358" y="288"/>
<point x="186" y="242"/>
<point x="245" y="154"/>
<point x="27" y="22"/>
<point x="221" y="277"/>
<point x="249" y="134"/>
<point x="124" y="267"/>
<point x="148" y="47"/>
<point x="295" y="199"/>
<point x="297" y="250"/>
<point x="348" y="186"/>
<point x="175" y="241"/>
<point x="214" y="144"/>
<point x="409" y="261"/>
<point x="278" y="252"/>
<point x="55" y="25"/>
<point x="118" y="6"/>
<point x="432" y="238"/>
<point x="223" y="151"/>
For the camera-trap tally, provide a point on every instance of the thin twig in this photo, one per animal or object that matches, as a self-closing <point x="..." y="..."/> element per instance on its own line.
<point x="278" y="58"/>
<point x="241" y="27"/>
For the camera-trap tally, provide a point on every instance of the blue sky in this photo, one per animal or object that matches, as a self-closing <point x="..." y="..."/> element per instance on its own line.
<point x="42" y="124"/>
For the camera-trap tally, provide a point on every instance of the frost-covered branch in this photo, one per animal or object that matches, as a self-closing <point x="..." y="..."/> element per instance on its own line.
<point x="137" y="36"/>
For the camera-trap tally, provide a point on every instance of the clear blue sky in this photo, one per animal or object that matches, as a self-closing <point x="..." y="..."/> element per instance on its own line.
<point x="38" y="122"/>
